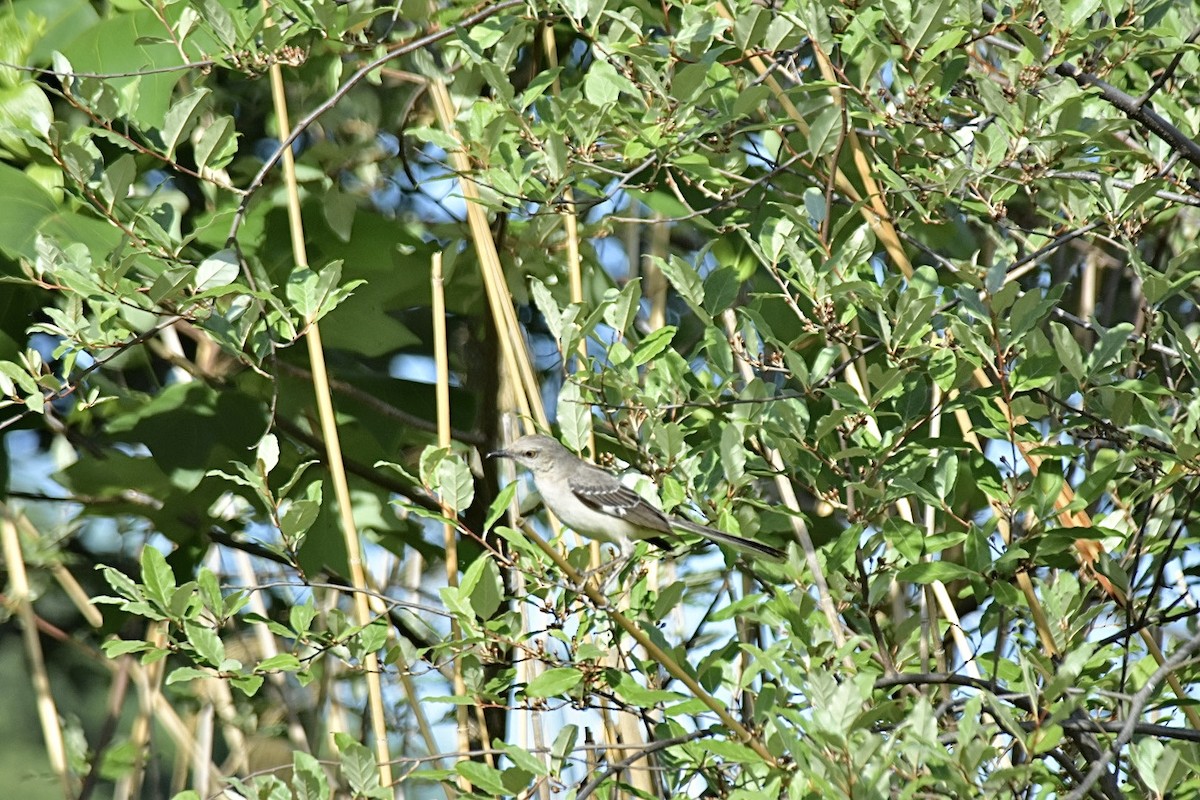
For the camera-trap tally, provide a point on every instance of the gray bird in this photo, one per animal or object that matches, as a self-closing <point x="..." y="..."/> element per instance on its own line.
<point x="594" y="503"/>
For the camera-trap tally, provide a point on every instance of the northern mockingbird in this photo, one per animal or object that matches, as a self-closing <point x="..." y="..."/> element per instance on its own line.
<point x="594" y="503"/>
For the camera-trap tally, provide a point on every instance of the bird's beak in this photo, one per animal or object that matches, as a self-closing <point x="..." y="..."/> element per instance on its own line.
<point x="499" y="454"/>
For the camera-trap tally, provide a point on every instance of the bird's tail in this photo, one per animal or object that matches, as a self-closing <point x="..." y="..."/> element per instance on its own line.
<point x="728" y="539"/>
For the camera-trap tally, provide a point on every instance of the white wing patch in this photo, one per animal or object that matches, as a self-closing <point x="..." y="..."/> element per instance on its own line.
<point x="618" y="500"/>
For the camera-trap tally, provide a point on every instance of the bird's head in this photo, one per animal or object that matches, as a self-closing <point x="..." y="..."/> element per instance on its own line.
<point x="535" y="452"/>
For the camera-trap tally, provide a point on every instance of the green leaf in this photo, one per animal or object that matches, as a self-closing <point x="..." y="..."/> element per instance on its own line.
<point x="186" y="674"/>
<point x="217" y="144"/>
<point x="1006" y="595"/>
<point x="220" y="22"/>
<point x="235" y="601"/>
<point x="33" y="214"/>
<point x="117" y="180"/>
<point x="731" y="751"/>
<point x="554" y="682"/>
<point x="945" y="474"/>
<point x="563" y="747"/>
<point x="358" y="765"/>
<point x="733" y="452"/>
<point x="574" y="417"/>
<point x="551" y="312"/>
<point x="179" y="119"/>
<point x="210" y="591"/>
<point x="602" y="85"/>
<point x="654" y="344"/>
<point x="913" y="315"/>
<point x="157" y="577"/>
<point x="668" y="598"/>
<point x="455" y="483"/>
<point x="113" y="45"/>
<point x="1112" y="570"/>
<point x="721" y="289"/>
<point x="121" y="583"/>
<point x="374" y="635"/>
<point x="635" y="694"/>
<point x="824" y="131"/>
<point x="119" y="647"/>
<point x="620" y="308"/>
<point x="300" y="616"/>
<point x="24" y="111"/>
<point x="1068" y="350"/>
<point x="689" y="80"/>
<point x="219" y="269"/>
<point x="484" y="585"/>
<point x="206" y="642"/>
<point x="686" y="281"/>
<point x="1027" y="311"/>
<point x="931" y="571"/>
<point x="457" y="601"/>
<point x="285" y="662"/>
<point x="500" y="505"/>
<point x="538" y="86"/>
<point x="448" y="476"/>
<point x="309" y="781"/>
<point x="524" y="759"/>
<point x="1042" y="740"/>
<point x="314" y="294"/>
<point x="340" y="209"/>
<point x="1112" y="342"/>
<point x="482" y="777"/>
<point x="927" y="22"/>
<point x="906" y="537"/>
<point x="298" y="519"/>
<point x="183" y="602"/>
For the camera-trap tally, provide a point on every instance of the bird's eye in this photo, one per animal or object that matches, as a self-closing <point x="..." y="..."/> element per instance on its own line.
<point x="529" y="453"/>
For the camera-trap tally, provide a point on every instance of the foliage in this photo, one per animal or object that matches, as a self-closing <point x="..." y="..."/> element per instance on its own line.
<point x="910" y="289"/>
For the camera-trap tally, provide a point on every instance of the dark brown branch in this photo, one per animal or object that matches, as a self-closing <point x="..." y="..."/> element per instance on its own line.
<point x="1136" y="111"/>
<point x="1134" y="108"/>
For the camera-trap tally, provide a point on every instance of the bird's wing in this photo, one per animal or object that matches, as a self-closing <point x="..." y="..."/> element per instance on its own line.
<point x="606" y="494"/>
<point x="603" y="492"/>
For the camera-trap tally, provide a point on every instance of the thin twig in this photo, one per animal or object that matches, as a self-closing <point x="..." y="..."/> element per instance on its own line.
<point x="1095" y="177"/>
<point x="619" y="766"/>
<point x="137" y="73"/>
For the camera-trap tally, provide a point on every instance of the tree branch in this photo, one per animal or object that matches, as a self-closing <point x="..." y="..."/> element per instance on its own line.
<point x="1135" y="110"/>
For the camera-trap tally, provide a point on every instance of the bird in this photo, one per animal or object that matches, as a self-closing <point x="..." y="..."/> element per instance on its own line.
<point x="594" y="503"/>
